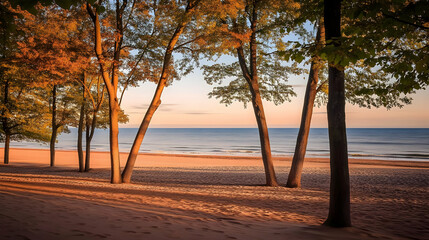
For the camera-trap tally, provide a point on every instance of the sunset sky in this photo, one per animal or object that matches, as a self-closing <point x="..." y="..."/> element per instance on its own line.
<point x="186" y="104"/>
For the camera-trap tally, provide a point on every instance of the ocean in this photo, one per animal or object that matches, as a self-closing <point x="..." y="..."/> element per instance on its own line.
<point x="368" y="143"/>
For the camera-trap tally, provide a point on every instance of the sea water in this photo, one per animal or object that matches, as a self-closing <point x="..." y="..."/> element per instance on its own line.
<point x="368" y="143"/>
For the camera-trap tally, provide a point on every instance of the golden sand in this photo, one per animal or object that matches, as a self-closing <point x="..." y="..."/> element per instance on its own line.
<point x="204" y="197"/>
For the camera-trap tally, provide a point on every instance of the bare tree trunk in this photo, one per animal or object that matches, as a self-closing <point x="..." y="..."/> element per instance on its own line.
<point x="294" y="178"/>
<point x="6" y="148"/>
<point x="156" y="100"/>
<point x="339" y="202"/>
<point x="80" y="133"/>
<point x="54" y="125"/>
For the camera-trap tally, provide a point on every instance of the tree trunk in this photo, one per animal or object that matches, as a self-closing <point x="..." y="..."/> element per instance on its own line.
<point x="263" y="136"/>
<point x="114" y="141"/>
<point x="111" y="83"/>
<point x="252" y="80"/>
<point x="54" y="125"/>
<point x="80" y="133"/>
<point x="339" y="202"/>
<point x="294" y="178"/>
<point x="89" y="134"/>
<point x="156" y="100"/>
<point x="6" y="148"/>
<point x="5" y="123"/>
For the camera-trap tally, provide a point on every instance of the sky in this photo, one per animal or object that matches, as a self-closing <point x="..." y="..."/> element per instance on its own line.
<point x="185" y="104"/>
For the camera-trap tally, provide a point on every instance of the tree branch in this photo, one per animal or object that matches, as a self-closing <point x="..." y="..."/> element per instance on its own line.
<point x="404" y="21"/>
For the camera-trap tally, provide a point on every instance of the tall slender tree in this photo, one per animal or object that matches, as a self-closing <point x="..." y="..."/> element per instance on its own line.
<point x="109" y="68"/>
<point x="294" y="177"/>
<point x="250" y="34"/>
<point x="183" y="20"/>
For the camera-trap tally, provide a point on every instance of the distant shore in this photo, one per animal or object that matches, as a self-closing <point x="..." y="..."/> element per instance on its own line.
<point x="204" y="197"/>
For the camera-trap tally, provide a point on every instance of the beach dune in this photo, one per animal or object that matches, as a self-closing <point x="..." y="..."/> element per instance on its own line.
<point x="204" y="197"/>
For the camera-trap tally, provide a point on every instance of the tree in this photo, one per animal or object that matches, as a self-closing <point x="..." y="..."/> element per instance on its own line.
<point x="392" y="36"/>
<point x="183" y="19"/>
<point x="294" y="177"/>
<point x="249" y="34"/>
<point x="52" y="48"/>
<point x="339" y="201"/>
<point x="94" y="113"/>
<point x="109" y="68"/>
<point x="63" y="112"/>
<point x="359" y="76"/>
<point x="21" y="111"/>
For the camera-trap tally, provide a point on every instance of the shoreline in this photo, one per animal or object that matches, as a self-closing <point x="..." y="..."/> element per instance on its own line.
<point x="197" y="197"/>
<point x="279" y="159"/>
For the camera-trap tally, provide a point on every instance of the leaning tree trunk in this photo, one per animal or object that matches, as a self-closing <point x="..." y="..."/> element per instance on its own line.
<point x="251" y="77"/>
<point x="54" y="125"/>
<point x="156" y="100"/>
<point x="294" y="178"/>
<point x="80" y="133"/>
<point x="339" y="202"/>
<point x="263" y="136"/>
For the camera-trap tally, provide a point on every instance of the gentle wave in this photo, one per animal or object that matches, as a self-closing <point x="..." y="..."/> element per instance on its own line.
<point x="392" y="144"/>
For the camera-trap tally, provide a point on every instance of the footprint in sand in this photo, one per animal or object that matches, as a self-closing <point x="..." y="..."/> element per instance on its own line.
<point x="230" y="237"/>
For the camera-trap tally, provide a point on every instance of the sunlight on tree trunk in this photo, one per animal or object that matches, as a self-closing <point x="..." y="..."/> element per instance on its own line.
<point x="156" y="100"/>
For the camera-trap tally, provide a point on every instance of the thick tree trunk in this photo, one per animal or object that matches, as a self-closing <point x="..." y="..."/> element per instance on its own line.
<point x="156" y="100"/>
<point x="294" y="178"/>
<point x="339" y="202"/>
<point x="114" y="141"/>
<point x="80" y="133"/>
<point x="54" y="125"/>
<point x="6" y="148"/>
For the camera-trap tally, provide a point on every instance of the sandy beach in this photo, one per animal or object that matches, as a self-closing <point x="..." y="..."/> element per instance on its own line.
<point x="205" y="197"/>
